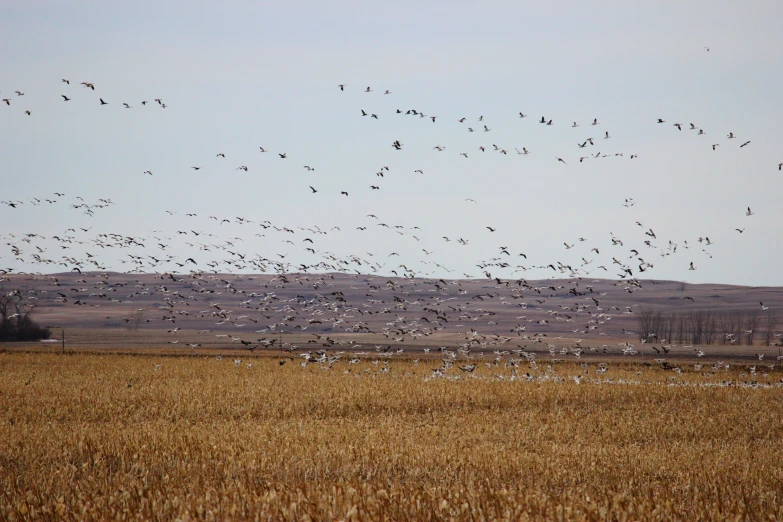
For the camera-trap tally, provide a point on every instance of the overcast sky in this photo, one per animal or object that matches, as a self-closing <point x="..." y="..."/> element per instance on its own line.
<point x="237" y="76"/>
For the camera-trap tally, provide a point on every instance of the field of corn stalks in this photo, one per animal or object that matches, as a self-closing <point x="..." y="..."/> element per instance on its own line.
<point x="115" y="437"/>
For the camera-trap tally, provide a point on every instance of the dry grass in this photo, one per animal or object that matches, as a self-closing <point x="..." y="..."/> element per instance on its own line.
<point x="91" y="437"/>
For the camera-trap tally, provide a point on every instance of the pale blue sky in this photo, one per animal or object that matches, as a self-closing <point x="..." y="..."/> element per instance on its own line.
<point x="247" y="74"/>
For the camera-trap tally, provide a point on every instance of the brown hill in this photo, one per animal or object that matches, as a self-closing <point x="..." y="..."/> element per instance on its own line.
<point x="260" y="307"/>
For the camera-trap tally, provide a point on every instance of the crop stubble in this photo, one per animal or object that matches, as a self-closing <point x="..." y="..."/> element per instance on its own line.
<point x="92" y="437"/>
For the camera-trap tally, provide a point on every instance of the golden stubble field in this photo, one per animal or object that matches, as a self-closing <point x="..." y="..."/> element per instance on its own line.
<point x="112" y="437"/>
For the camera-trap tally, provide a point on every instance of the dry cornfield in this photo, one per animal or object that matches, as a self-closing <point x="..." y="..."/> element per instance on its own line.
<point x="113" y="437"/>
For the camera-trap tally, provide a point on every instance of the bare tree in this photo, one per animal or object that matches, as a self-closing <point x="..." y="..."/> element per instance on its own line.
<point x="710" y="324"/>
<point x="696" y="323"/>
<point x="135" y="321"/>
<point x="751" y="324"/>
<point x="645" y="320"/>
<point x="682" y="328"/>
<point x="739" y="326"/>
<point x="727" y="322"/>
<point x="771" y="323"/>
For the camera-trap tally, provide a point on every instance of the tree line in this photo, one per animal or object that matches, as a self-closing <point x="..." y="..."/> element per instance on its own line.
<point x="16" y="323"/>
<point x="740" y="327"/>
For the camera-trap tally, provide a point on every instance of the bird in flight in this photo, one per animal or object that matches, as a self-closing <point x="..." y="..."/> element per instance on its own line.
<point x="65" y="98"/>
<point x="103" y="102"/>
<point x="749" y="213"/>
<point x="314" y="191"/>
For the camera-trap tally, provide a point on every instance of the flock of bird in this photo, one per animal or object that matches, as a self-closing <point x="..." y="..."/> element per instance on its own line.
<point x="520" y="366"/>
<point x="88" y="85"/>
<point x="191" y="259"/>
